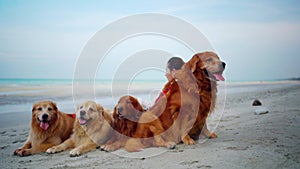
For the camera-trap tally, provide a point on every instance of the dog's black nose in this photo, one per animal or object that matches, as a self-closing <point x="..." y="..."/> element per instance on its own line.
<point x="223" y="64"/>
<point x="45" y="116"/>
<point x="120" y="109"/>
<point x="82" y="113"/>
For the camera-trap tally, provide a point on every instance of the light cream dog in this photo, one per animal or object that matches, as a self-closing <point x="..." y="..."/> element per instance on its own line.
<point x="92" y="128"/>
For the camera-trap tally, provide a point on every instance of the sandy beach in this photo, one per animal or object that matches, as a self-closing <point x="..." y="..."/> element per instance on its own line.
<point x="245" y="140"/>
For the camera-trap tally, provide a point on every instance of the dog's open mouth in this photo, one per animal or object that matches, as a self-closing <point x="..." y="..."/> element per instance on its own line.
<point x="83" y="121"/>
<point x="219" y="77"/>
<point x="44" y="124"/>
<point x="215" y="76"/>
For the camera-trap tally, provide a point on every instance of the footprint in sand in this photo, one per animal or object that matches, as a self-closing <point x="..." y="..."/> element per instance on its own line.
<point x="3" y="133"/>
<point x="19" y="141"/>
<point x="4" y="147"/>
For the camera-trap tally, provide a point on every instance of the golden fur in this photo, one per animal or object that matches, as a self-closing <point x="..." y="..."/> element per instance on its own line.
<point x="207" y="88"/>
<point x="148" y="134"/>
<point x="169" y="120"/>
<point x="126" y="115"/>
<point x="91" y="129"/>
<point x="49" y="127"/>
<point x="182" y="112"/>
<point x="212" y="64"/>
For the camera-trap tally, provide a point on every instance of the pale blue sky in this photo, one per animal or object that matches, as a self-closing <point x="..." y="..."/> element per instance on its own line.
<point x="259" y="40"/>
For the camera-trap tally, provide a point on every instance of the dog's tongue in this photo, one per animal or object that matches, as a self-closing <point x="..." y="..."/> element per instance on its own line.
<point x="219" y="77"/>
<point x="44" y="126"/>
<point x="81" y="121"/>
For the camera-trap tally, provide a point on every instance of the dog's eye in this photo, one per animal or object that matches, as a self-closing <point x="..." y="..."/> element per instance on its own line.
<point x="81" y="107"/>
<point x="209" y="60"/>
<point x="91" y="109"/>
<point x="39" y="109"/>
<point x="128" y="102"/>
<point x="50" y="109"/>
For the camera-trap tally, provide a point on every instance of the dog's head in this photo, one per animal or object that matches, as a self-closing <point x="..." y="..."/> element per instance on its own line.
<point x="129" y="108"/>
<point x="44" y="113"/>
<point x="197" y="68"/>
<point x="213" y="64"/>
<point x="89" y="111"/>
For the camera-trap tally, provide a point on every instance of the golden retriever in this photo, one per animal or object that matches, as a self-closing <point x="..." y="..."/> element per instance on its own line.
<point x="183" y="110"/>
<point x="149" y="133"/>
<point x="213" y="64"/>
<point x="49" y="127"/>
<point x="92" y="128"/>
<point x="207" y="88"/>
<point x="126" y="116"/>
<point x="169" y="120"/>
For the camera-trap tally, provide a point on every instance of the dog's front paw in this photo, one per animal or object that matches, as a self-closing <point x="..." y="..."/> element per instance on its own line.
<point x="53" y="150"/>
<point x="108" y="147"/>
<point x="171" y="145"/>
<point x="17" y="151"/>
<point x="75" y="152"/>
<point x="213" y="135"/>
<point x="188" y="141"/>
<point x="22" y="152"/>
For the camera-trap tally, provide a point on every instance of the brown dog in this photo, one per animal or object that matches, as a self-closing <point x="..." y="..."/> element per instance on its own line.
<point x="149" y="133"/>
<point x="207" y="88"/>
<point x="49" y="127"/>
<point x="213" y="64"/>
<point x="184" y="109"/>
<point x="170" y="119"/>
<point x="126" y="116"/>
<point x="92" y="128"/>
<point x="181" y="106"/>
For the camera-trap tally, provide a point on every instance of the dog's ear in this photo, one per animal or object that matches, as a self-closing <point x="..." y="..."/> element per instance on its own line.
<point x="53" y="104"/>
<point x="100" y="108"/>
<point x="137" y="105"/>
<point x="115" y="114"/>
<point x="33" y="107"/>
<point x="195" y="62"/>
<point x="199" y="61"/>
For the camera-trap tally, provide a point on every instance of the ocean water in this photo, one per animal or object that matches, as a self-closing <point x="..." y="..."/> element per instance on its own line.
<point x="13" y="101"/>
<point x="33" y="82"/>
<point x="18" y="95"/>
<point x="241" y="87"/>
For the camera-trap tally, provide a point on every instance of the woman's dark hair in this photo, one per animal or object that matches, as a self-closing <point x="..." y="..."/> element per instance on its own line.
<point x="175" y="63"/>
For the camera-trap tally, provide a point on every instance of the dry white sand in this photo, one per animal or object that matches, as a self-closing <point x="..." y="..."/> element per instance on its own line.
<point x="245" y="140"/>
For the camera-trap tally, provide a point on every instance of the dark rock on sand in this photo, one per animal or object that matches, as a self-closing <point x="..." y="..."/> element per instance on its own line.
<point x="256" y="102"/>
